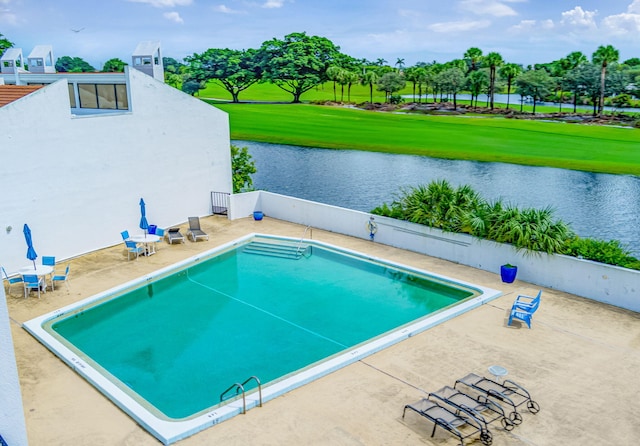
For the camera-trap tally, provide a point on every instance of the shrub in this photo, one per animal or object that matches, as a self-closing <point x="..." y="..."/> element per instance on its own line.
<point x="610" y="252"/>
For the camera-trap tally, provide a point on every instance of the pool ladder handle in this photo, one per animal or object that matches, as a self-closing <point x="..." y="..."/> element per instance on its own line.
<point x="308" y="228"/>
<point x="240" y="388"/>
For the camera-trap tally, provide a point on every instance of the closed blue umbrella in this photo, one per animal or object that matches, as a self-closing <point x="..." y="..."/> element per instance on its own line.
<point x="143" y="220"/>
<point x="31" y="253"/>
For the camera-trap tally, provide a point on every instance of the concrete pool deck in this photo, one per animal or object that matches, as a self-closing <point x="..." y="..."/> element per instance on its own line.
<point x="579" y="361"/>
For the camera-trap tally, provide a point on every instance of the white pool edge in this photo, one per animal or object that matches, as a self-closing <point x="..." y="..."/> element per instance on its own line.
<point x="169" y="432"/>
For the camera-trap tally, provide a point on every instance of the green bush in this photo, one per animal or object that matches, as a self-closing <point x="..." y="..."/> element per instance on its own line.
<point x="610" y="252"/>
<point x="462" y="210"/>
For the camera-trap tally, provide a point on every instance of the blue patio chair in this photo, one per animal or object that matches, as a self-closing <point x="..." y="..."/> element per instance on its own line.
<point x="133" y="248"/>
<point x="159" y="233"/>
<point x="125" y="235"/>
<point x="49" y="261"/>
<point x="10" y="280"/>
<point x="32" y="282"/>
<point x="524" y="307"/>
<point x="61" y="278"/>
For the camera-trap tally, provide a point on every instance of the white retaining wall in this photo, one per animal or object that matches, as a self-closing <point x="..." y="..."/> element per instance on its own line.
<point x="597" y="281"/>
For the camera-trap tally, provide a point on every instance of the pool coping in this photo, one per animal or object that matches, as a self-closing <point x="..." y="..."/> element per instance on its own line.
<point x="170" y="431"/>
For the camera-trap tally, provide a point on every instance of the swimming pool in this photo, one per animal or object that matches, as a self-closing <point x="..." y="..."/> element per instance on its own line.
<point x="220" y="318"/>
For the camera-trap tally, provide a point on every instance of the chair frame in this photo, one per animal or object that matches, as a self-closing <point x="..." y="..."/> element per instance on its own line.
<point x="133" y="248"/>
<point x="448" y="420"/>
<point x="30" y="285"/>
<point x="509" y="392"/>
<point x="195" y="231"/>
<point x="481" y="407"/>
<point x="61" y="278"/>
<point x="523" y="308"/>
<point x="11" y="280"/>
<point x="173" y="234"/>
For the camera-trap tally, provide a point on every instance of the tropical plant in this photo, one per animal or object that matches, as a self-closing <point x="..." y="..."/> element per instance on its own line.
<point x="66" y="64"/>
<point x="509" y="72"/>
<point x="242" y="167"/>
<point x="4" y="44"/>
<point x="452" y="80"/>
<point x="604" y="56"/>
<point x="370" y="78"/>
<point x="477" y="81"/>
<point x="610" y="252"/>
<point x="473" y="57"/>
<point x="492" y="60"/>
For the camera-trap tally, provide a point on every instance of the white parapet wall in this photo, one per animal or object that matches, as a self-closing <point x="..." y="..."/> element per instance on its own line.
<point x="604" y="283"/>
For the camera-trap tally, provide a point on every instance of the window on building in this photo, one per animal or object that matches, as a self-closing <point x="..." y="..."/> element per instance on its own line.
<point x="72" y="96"/>
<point x="8" y="63"/>
<point x="103" y="96"/>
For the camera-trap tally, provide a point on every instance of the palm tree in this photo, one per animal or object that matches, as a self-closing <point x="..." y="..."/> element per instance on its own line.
<point x="509" y="72"/>
<point x="477" y="81"/>
<point x="400" y="64"/>
<point x="603" y="56"/>
<point x="333" y="72"/>
<point x="492" y="60"/>
<point x="473" y="56"/>
<point x="370" y="78"/>
<point x="573" y="61"/>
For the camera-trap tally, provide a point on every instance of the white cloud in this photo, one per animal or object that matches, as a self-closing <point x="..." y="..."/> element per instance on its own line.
<point x="173" y="16"/>
<point x="459" y="26"/>
<point x="270" y="4"/>
<point x="634" y="8"/>
<point x="7" y="17"/>
<point x="622" y="24"/>
<point x="164" y="3"/>
<point x="579" y="17"/>
<point x="495" y="8"/>
<point x="226" y="10"/>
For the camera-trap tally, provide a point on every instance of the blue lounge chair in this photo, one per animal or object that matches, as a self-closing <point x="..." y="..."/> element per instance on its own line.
<point x="125" y="235"/>
<point x="61" y="278"/>
<point x="524" y="307"/>
<point x="10" y="280"/>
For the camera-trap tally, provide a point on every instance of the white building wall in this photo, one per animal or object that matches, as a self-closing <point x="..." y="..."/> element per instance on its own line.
<point x="77" y="181"/>
<point x="12" y="425"/>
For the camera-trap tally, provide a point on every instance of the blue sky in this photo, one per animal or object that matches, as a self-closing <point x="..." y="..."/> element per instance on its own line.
<point x="523" y="31"/>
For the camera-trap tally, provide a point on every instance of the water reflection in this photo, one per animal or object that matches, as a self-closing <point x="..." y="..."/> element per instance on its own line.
<point x="595" y="205"/>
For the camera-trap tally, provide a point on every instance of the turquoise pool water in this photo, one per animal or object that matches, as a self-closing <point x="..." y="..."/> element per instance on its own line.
<point x="174" y="343"/>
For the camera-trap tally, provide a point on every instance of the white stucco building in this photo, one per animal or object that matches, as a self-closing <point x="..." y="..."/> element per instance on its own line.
<point x="78" y="152"/>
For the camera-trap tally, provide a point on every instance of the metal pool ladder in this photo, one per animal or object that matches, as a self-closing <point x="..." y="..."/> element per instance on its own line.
<point x="240" y="388"/>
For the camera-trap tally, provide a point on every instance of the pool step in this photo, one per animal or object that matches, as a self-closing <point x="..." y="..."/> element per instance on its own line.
<point x="284" y="251"/>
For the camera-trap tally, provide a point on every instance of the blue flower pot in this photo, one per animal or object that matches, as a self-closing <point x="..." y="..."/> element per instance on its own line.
<point x="257" y="215"/>
<point x="508" y="273"/>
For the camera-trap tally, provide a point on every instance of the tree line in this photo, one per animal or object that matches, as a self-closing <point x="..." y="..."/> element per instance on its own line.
<point x="299" y="62"/>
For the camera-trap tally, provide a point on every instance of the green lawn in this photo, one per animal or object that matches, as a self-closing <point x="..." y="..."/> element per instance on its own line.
<point x="570" y="146"/>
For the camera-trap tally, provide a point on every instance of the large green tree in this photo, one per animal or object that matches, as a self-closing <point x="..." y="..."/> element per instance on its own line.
<point x="370" y="78"/>
<point x="473" y="57"/>
<point x="604" y="56"/>
<point x="390" y="83"/>
<point x="297" y="63"/>
<point x="114" y="65"/>
<point x="452" y="80"/>
<point x="234" y="70"/>
<point x="535" y="83"/>
<point x="67" y="64"/>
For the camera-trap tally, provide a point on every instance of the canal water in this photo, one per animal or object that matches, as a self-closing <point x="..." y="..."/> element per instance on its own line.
<point x="595" y="205"/>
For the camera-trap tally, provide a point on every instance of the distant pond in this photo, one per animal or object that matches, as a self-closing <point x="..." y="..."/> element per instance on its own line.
<point x="595" y="205"/>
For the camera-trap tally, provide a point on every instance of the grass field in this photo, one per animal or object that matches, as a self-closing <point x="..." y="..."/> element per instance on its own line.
<point x="569" y="146"/>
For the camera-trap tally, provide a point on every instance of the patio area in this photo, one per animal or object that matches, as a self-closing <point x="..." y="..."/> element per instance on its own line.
<point x="579" y="361"/>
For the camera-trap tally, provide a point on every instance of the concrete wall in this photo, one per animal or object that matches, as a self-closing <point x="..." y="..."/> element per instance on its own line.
<point x="77" y="181"/>
<point x="12" y="425"/>
<point x="597" y="281"/>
